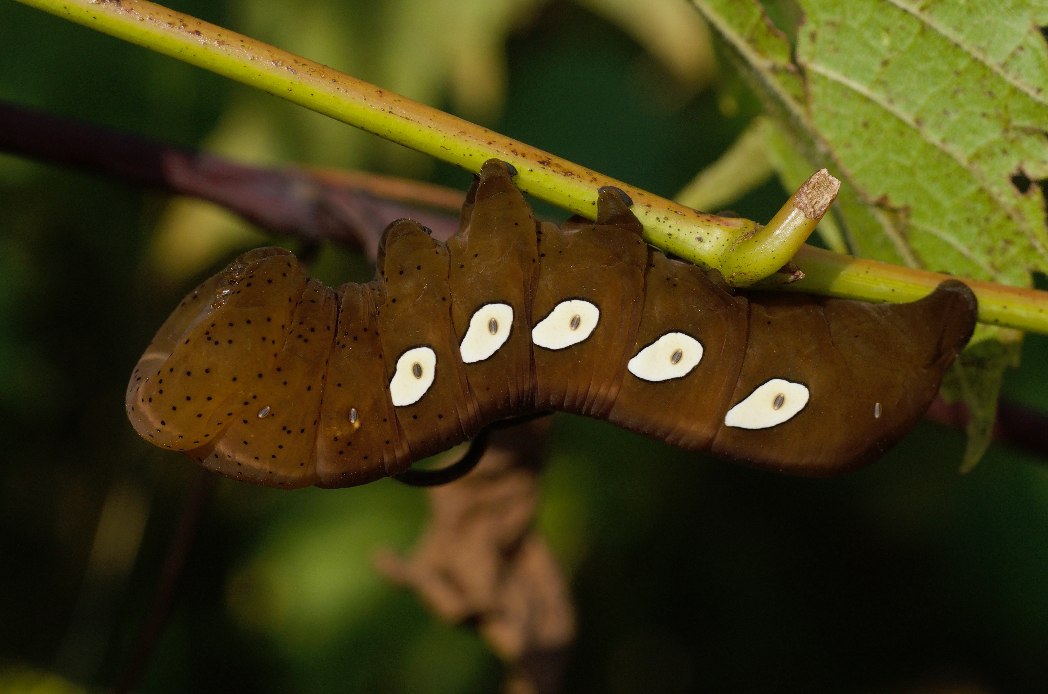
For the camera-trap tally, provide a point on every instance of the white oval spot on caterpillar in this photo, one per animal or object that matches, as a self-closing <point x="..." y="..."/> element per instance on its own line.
<point x="673" y="355"/>
<point x="265" y="412"/>
<point x="876" y="410"/>
<point x="488" y="330"/>
<point x="354" y="418"/>
<point x="770" y="404"/>
<point x="416" y="369"/>
<point x="569" y="323"/>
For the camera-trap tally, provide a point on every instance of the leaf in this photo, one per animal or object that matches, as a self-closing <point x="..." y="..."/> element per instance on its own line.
<point x="933" y="123"/>
<point x="761" y="46"/>
<point x="934" y="115"/>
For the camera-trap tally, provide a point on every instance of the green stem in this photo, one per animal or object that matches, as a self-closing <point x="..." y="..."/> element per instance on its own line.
<point x="743" y="250"/>
<point x="701" y="238"/>
<point x="835" y="274"/>
<point x="796" y="220"/>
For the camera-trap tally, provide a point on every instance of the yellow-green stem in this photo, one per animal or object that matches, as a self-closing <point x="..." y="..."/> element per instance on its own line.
<point x="742" y="249"/>
<point x="702" y="238"/>
<point x="831" y="273"/>
<point x="785" y="234"/>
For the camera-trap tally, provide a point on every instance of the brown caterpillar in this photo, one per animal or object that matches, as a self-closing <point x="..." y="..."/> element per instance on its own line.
<point x="265" y="375"/>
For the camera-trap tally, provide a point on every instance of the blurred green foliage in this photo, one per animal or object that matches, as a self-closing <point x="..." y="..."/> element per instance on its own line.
<point x="689" y="573"/>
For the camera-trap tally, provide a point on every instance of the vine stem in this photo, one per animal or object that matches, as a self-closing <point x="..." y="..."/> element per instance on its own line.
<point x="835" y="274"/>
<point x="743" y="250"/>
<point x="701" y="238"/>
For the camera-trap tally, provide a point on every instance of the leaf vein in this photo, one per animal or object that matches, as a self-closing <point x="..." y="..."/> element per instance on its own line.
<point x="888" y="107"/>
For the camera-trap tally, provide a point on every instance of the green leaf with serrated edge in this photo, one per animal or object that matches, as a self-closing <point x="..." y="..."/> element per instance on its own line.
<point x="926" y="111"/>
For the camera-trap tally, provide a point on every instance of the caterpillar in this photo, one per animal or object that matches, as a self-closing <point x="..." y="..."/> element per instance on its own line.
<point x="265" y="375"/>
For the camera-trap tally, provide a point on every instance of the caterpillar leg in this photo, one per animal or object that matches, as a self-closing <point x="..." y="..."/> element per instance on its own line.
<point x="493" y="199"/>
<point x="613" y="207"/>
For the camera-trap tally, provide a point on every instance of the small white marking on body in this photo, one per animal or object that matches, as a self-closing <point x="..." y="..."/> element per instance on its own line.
<point x="489" y="328"/>
<point x="770" y="404"/>
<point x="354" y="418"/>
<point x="876" y="410"/>
<point x="569" y="323"/>
<point x="413" y="376"/>
<point x="265" y="412"/>
<point x="673" y="355"/>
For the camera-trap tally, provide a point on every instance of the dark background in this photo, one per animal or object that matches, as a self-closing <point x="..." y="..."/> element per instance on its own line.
<point x="688" y="573"/>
